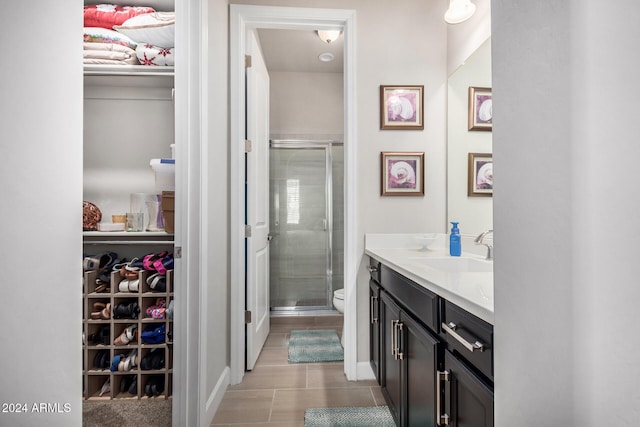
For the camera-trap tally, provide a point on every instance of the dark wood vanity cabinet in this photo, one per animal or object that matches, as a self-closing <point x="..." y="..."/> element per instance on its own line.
<point x="468" y="368"/>
<point x="468" y="401"/>
<point x="410" y="351"/>
<point x="429" y="377"/>
<point x="410" y="357"/>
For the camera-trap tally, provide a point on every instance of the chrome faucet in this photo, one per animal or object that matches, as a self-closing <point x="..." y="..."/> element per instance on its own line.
<point x="480" y="241"/>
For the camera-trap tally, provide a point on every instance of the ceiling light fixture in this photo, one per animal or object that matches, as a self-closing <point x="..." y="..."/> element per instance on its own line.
<point x="328" y="36"/>
<point x="459" y="11"/>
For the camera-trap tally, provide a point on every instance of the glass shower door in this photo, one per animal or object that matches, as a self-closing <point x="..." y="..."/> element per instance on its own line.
<point x="300" y="223"/>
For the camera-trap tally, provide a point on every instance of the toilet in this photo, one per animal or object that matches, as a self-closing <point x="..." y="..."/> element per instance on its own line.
<point x="338" y="303"/>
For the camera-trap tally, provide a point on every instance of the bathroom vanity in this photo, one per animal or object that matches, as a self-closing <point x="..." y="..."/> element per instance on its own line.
<point x="431" y="332"/>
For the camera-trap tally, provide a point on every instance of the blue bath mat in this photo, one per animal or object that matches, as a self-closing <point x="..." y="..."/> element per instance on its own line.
<point x="315" y="346"/>
<point x="368" y="416"/>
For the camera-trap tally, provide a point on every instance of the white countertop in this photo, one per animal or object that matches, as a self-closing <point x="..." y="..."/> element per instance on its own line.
<point x="471" y="291"/>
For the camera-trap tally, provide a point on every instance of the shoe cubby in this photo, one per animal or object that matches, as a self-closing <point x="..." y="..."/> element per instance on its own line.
<point x="109" y="312"/>
<point x="127" y="287"/>
<point x="98" y="360"/>
<point x="154" y="386"/>
<point x="98" y="335"/>
<point x="126" y="333"/>
<point x="125" y="308"/>
<point x="154" y="359"/>
<point x="154" y="308"/>
<point x="125" y="386"/>
<point x="95" y="386"/>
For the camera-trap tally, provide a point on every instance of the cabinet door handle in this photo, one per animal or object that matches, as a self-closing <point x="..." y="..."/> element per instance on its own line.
<point x="399" y="343"/>
<point x="374" y="314"/>
<point x="451" y="327"/>
<point x="372" y="269"/>
<point x="393" y="339"/>
<point x="441" y="419"/>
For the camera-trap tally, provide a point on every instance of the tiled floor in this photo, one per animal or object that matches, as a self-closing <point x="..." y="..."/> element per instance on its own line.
<point x="277" y="393"/>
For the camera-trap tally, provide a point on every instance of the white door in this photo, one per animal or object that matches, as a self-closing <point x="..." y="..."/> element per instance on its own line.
<point x="257" y="189"/>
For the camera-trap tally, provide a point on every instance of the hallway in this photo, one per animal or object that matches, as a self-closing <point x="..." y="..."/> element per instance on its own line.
<point x="277" y="393"/>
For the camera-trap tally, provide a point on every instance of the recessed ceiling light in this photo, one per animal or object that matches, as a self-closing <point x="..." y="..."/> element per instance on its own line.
<point x="326" y="57"/>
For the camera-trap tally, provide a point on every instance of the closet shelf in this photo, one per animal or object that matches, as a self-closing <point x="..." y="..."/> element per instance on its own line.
<point x="127" y="70"/>
<point x="127" y="238"/>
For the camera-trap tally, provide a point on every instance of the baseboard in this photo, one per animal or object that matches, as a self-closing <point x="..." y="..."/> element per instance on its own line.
<point x="364" y="371"/>
<point x="215" y="398"/>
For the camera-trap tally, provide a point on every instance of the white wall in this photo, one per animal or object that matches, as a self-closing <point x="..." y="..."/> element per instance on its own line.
<point x="214" y="320"/>
<point x="41" y="231"/>
<point x="475" y="214"/>
<point x="566" y="213"/>
<point x="306" y="104"/>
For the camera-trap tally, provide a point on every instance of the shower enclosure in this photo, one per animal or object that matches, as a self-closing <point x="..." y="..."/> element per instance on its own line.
<point x="306" y="224"/>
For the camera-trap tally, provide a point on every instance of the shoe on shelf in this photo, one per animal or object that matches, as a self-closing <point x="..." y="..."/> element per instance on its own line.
<point x="129" y="334"/>
<point x="129" y="310"/>
<point x="157" y="282"/>
<point x="106" y="387"/>
<point x="130" y="360"/>
<point x="133" y="388"/>
<point x="101" y="359"/>
<point x="103" y="314"/>
<point x="128" y="286"/>
<point x="154" y="386"/>
<point x="126" y="382"/>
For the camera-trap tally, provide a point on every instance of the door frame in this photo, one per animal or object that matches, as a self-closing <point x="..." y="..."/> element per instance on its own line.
<point x="243" y="17"/>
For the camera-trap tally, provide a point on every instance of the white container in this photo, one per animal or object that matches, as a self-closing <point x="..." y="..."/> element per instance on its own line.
<point x="165" y="170"/>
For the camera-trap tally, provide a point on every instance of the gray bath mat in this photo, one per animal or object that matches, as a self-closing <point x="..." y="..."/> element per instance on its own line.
<point x="369" y="416"/>
<point x="315" y="346"/>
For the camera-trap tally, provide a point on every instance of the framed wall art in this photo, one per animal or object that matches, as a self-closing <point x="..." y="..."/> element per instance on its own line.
<point x="480" y="108"/>
<point x="480" y="175"/>
<point x="402" y="174"/>
<point x="401" y="107"/>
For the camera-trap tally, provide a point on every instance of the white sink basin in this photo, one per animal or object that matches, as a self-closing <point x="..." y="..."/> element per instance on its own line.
<point x="455" y="264"/>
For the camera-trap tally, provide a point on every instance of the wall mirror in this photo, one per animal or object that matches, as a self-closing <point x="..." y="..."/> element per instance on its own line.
<point x="472" y="209"/>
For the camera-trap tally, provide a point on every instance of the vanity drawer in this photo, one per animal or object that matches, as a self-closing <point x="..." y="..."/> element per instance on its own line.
<point x="420" y="302"/>
<point x="469" y="337"/>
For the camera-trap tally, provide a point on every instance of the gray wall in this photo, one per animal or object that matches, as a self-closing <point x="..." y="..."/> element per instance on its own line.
<point x="566" y="212"/>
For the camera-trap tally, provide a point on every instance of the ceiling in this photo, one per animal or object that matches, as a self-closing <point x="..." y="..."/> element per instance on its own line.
<point x="298" y="51"/>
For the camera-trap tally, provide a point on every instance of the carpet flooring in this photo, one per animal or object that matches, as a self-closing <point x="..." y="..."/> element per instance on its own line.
<point x="127" y="413"/>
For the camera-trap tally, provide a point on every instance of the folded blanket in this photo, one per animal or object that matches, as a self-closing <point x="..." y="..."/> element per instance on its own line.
<point x="108" y="53"/>
<point x="153" y="55"/>
<point x="108" y="15"/>
<point x="104" y="61"/>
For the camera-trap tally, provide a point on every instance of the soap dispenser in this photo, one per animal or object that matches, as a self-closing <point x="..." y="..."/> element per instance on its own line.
<point x="454" y="240"/>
